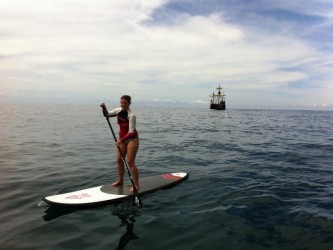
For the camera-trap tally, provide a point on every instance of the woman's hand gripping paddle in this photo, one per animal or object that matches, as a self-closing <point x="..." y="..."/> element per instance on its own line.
<point x="137" y="199"/>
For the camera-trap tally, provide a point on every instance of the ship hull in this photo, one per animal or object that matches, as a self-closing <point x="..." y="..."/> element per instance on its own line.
<point x="220" y="106"/>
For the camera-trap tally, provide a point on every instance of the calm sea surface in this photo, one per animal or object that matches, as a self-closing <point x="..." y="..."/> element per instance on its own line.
<point x="259" y="179"/>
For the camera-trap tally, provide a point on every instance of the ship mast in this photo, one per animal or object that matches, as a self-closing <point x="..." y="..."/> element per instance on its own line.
<point x="220" y="98"/>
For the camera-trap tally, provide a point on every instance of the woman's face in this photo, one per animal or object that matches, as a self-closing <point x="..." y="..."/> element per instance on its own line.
<point x="124" y="104"/>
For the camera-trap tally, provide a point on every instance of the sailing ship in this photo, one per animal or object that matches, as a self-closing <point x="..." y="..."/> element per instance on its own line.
<point x="217" y="101"/>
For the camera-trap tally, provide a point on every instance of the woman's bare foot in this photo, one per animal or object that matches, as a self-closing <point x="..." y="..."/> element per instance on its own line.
<point x="117" y="183"/>
<point x="132" y="189"/>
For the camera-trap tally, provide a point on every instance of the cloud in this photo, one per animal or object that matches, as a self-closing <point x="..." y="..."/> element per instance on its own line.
<point x="165" y="50"/>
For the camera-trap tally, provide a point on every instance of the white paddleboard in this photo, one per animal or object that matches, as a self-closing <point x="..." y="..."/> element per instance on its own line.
<point x="108" y="194"/>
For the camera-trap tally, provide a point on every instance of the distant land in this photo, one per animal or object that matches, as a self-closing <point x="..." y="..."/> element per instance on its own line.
<point x="168" y="104"/>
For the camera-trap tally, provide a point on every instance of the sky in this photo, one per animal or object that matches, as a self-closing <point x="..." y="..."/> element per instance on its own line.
<point x="263" y="53"/>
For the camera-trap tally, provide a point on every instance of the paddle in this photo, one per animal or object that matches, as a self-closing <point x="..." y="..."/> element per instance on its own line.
<point x="137" y="199"/>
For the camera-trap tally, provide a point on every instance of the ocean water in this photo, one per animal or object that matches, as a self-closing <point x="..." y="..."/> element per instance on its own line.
<point x="259" y="179"/>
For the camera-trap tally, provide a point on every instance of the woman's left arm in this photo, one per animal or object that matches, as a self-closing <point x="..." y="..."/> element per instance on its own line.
<point x="132" y="123"/>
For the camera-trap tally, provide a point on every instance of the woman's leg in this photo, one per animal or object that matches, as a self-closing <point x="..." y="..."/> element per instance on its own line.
<point x="120" y="165"/>
<point x="132" y="149"/>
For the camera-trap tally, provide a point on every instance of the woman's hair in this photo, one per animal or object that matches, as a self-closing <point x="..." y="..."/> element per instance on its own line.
<point x="127" y="98"/>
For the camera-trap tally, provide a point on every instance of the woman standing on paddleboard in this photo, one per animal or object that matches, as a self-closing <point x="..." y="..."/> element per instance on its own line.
<point x="128" y="141"/>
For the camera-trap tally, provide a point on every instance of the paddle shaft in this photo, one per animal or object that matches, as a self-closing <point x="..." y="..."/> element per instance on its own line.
<point x="137" y="200"/>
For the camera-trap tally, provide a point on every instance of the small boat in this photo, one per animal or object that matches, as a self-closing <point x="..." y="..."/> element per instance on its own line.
<point x="217" y="101"/>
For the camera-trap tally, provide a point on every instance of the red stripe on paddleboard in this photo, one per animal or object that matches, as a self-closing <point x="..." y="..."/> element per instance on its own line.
<point x="171" y="177"/>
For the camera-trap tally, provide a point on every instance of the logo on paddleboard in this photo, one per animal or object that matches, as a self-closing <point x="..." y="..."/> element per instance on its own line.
<point x="78" y="196"/>
<point x="171" y="177"/>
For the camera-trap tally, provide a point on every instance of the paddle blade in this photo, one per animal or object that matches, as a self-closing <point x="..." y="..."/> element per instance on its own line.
<point x="138" y="201"/>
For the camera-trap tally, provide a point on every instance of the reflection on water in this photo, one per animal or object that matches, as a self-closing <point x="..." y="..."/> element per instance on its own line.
<point x="125" y="215"/>
<point x="127" y="220"/>
<point x="54" y="212"/>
